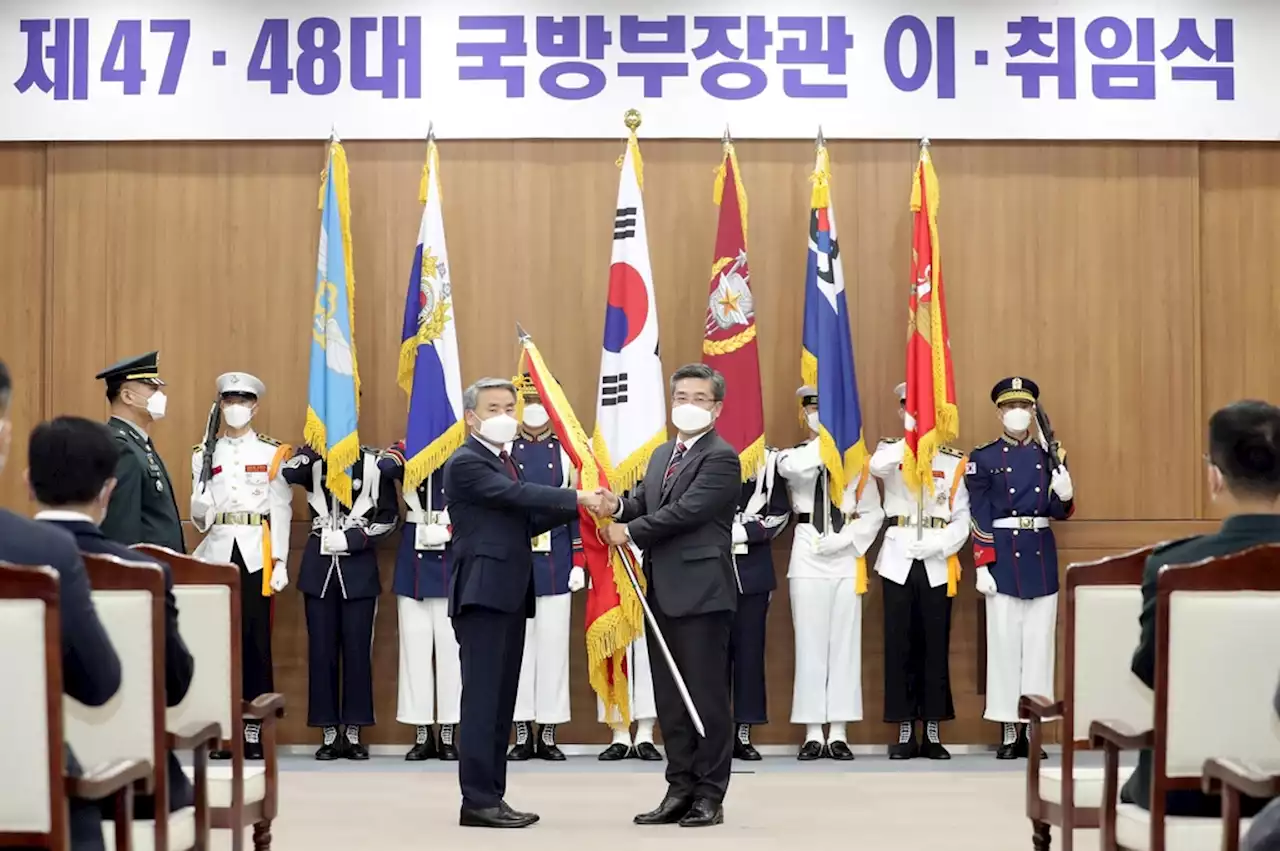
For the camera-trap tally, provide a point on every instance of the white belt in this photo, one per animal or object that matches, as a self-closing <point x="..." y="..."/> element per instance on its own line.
<point x="417" y="518"/>
<point x="1021" y="523"/>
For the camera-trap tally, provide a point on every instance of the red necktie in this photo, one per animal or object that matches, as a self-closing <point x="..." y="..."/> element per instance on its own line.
<point x="507" y="462"/>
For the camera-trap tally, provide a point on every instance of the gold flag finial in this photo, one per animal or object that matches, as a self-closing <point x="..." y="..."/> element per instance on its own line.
<point x="631" y="118"/>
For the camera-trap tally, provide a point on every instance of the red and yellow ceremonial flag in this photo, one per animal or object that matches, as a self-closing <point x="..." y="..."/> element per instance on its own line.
<point x="932" y="420"/>
<point x="729" y="340"/>
<point x="614" y="614"/>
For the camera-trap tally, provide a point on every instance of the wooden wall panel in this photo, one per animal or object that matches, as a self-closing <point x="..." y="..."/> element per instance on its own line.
<point x="1113" y="274"/>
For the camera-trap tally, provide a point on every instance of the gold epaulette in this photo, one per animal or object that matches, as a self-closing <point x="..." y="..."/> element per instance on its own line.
<point x="199" y="447"/>
<point x="890" y="439"/>
<point x="985" y="445"/>
<point x="268" y="440"/>
<point x="954" y="453"/>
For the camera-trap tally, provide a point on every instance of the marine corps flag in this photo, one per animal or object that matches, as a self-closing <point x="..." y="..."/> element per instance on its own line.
<point x="932" y="419"/>
<point x="729" y="339"/>
<point x="614" y="613"/>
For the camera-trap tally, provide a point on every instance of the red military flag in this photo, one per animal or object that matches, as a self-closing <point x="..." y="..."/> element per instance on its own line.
<point x="615" y="616"/>
<point x="729" y="340"/>
<point x="932" y="419"/>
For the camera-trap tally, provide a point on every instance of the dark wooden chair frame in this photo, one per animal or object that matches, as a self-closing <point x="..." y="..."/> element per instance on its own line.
<point x="115" y="781"/>
<point x="266" y="709"/>
<point x="1037" y="710"/>
<point x="1254" y="569"/>
<point x="108" y="573"/>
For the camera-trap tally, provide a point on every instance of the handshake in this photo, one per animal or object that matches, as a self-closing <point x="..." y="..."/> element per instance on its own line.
<point x="599" y="502"/>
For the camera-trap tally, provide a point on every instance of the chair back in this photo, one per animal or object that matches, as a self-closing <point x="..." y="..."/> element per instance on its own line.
<point x="1217" y="651"/>
<point x="208" y="598"/>
<point x="32" y="808"/>
<point x="1104" y="599"/>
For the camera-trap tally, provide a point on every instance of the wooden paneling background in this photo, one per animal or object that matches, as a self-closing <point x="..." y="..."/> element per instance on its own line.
<point x="1135" y="282"/>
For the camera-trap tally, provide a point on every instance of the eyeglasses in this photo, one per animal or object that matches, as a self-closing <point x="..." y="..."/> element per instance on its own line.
<point x="698" y="399"/>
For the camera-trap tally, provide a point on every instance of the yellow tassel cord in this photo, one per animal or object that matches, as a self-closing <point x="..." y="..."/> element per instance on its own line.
<point x="633" y="145"/>
<point x="409" y="348"/>
<point x="918" y="467"/>
<point x="611" y="633"/>
<point x="283" y="451"/>
<point x="821" y="180"/>
<point x="717" y="191"/>
<point x="860" y="575"/>
<point x="953" y="561"/>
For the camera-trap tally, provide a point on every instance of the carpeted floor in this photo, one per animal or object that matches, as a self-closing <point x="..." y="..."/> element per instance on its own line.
<point x="972" y="803"/>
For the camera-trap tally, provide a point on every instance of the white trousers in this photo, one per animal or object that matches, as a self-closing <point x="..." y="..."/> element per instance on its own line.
<point x="1020" y="652"/>
<point x="639" y="683"/>
<point x="827" y="615"/>
<point x="425" y="628"/>
<point x="543" y="693"/>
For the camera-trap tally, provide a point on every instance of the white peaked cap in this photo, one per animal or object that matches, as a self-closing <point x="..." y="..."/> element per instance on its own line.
<point x="240" y="382"/>
<point x="901" y="390"/>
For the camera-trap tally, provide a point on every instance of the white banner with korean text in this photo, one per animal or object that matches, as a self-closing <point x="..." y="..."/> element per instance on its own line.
<point x="386" y="69"/>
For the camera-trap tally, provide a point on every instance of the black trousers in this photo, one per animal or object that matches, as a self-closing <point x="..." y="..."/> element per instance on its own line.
<point x="255" y="632"/>
<point x="339" y="660"/>
<point x="490" y="648"/>
<point x="917" y="644"/>
<point x="746" y="658"/>
<point x="696" y="767"/>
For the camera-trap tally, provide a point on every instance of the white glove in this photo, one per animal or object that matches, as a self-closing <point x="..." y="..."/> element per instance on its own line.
<point x="577" y="579"/>
<point x="444" y="518"/>
<point x="436" y="536"/>
<point x="739" y="533"/>
<point x="985" y="583"/>
<point x="279" y="577"/>
<point x="201" y="504"/>
<point x="1060" y="483"/>
<point x="923" y="549"/>
<point x="334" y="541"/>
<point x="832" y="544"/>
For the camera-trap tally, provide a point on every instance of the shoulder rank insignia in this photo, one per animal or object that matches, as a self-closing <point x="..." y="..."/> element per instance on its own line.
<point x="985" y="445"/>
<point x="199" y="447"/>
<point x="954" y="453"/>
<point x="895" y="440"/>
<point x="269" y="440"/>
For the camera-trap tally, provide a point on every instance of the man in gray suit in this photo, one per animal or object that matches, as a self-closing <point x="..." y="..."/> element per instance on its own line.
<point x="681" y="516"/>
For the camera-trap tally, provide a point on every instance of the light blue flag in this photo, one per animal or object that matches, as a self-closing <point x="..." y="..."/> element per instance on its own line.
<point x="333" y="393"/>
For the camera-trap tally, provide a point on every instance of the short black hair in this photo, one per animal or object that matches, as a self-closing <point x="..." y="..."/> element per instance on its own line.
<point x="1244" y="443"/>
<point x="70" y="459"/>
<point x="703" y="372"/>
<point x="6" y="387"/>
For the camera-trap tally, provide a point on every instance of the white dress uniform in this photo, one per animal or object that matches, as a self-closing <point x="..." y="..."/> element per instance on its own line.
<point x="644" y="708"/>
<point x="825" y="607"/>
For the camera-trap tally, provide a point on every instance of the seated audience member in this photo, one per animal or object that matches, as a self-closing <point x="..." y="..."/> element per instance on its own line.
<point x="1244" y="478"/>
<point x="1264" y="833"/>
<point x="71" y="471"/>
<point x="90" y="668"/>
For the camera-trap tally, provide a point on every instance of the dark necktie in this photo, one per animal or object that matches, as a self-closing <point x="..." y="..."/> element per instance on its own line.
<point x="825" y="514"/>
<point x="674" y="463"/>
<point x="509" y="464"/>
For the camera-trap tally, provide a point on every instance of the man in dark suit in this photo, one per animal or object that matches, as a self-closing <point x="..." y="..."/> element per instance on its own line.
<point x="143" y="509"/>
<point x="71" y="467"/>
<point x="1244" y="478"/>
<point x="90" y="667"/>
<point x="682" y="518"/>
<point x="495" y="515"/>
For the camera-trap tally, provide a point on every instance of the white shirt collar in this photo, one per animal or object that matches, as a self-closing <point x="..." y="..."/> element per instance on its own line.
<point x="689" y="442"/>
<point x="496" y="450"/>
<point x="62" y="516"/>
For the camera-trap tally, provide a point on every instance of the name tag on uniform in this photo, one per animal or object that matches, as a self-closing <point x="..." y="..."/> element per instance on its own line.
<point x="740" y="549"/>
<point x="256" y="468"/>
<point x="420" y="538"/>
<point x="542" y="543"/>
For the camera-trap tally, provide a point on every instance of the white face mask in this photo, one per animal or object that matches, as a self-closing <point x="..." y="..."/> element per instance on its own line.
<point x="237" y="416"/>
<point x="812" y="419"/>
<point x="156" y="405"/>
<point x="1016" y="420"/>
<point x="535" y="416"/>
<point x="499" y="429"/>
<point x="690" y="418"/>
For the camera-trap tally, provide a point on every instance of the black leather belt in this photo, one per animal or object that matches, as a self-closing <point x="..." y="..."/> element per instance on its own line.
<point x="806" y="517"/>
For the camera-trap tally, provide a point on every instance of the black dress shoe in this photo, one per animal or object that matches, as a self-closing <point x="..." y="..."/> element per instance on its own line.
<point x="422" y="751"/>
<point x="1009" y="751"/>
<point x="840" y="751"/>
<point x="495" y="817"/>
<point x="551" y="753"/>
<point x="1022" y="747"/>
<point x="520" y="751"/>
<point x="507" y="808"/>
<point x="219" y="754"/>
<point x="904" y="750"/>
<point x="934" y="750"/>
<point x="810" y="751"/>
<point x="647" y="752"/>
<point x="745" y="751"/>
<point x="253" y="750"/>
<point x="614" y="752"/>
<point x="703" y="813"/>
<point x="328" y="753"/>
<point x="357" y="751"/>
<point x="448" y="753"/>
<point x="670" y="811"/>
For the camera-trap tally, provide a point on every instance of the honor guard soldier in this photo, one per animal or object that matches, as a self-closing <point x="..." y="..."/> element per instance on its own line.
<point x="340" y="585"/>
<point x="421" y="586"/>
<point x="242" y="504"/>
<point x="827" y="577"/>
<point x="543" y="692"/>
<point x="143" y="509"/>
<point x="640" y="697"/>
<point x="919" y="566"/>
<point x="1015" y="489"/>
<point x="763" y="512"/>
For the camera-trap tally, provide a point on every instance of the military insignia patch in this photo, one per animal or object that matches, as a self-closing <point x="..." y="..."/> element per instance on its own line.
<point x="971" y="468"/>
